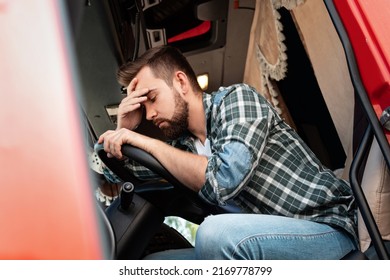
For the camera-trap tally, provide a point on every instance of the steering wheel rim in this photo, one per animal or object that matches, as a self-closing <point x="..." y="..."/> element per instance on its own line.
<point x="143" y="158"/>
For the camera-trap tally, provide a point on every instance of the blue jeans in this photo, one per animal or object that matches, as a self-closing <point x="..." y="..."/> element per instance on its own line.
<point x="263" y="237"/>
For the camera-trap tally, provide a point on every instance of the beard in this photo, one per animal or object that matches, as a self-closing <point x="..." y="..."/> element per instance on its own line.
<point x="178" y="124"/>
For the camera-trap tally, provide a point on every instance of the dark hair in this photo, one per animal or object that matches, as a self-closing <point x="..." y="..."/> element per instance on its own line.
<point x="163" y="62"/>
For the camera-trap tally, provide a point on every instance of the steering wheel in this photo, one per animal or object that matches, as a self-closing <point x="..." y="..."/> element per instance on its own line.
<point x="150" y="162"/>
<point x="143" y="158"/>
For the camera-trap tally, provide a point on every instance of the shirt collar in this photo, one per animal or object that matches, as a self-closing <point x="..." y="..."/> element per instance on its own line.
<point x="207" y="104"/>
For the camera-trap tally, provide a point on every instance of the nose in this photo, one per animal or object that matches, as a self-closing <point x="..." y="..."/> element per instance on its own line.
<point x="150" y="113"/>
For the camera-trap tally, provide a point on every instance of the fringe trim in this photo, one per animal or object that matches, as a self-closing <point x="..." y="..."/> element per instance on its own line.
<point x="288" y="4"/>
<point x="276" y="71"/>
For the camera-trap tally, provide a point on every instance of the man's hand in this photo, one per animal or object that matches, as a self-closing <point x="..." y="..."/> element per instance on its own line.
<point x="130" y="109"/>
<point x="114" y="139"/>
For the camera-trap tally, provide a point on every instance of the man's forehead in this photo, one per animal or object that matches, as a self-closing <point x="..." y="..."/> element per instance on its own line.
<point x="146" y="77"/>
<point x="144" y="72"/>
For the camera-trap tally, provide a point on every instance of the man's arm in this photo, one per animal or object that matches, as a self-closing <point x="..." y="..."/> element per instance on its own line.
<point x="187" y="167"/>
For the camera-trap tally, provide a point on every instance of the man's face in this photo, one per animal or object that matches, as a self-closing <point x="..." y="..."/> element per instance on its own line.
<point x="178" y="124"/>
<point x="165" y="107"/>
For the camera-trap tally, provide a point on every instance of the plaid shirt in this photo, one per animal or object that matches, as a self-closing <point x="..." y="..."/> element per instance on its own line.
<point x="263" y="165"/>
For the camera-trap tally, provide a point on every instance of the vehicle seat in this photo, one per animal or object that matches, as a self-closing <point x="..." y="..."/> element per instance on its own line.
<point x="376" y="187"/>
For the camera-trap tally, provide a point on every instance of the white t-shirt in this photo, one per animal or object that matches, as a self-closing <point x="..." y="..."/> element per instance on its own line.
<point x="204" y="150"/>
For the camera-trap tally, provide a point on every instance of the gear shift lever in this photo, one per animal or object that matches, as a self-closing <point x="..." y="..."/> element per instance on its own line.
<point x="126" y="195"/>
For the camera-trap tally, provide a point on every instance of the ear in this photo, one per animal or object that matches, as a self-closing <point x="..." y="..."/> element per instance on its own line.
<point x="182" y="82"/>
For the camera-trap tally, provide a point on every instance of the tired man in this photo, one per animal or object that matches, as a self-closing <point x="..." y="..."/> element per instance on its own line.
<point x="231" y="144"/>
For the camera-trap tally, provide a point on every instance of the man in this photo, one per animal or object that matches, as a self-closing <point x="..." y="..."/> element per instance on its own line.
<point x="231" y="144"/>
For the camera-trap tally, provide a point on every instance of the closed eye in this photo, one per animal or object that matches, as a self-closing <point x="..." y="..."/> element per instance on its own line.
<point x="152" y="96"/>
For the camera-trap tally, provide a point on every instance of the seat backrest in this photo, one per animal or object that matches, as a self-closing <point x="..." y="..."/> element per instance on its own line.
<point x="376" y="187"/>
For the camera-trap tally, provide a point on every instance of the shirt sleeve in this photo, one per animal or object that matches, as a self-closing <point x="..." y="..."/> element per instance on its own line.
<point x="240" y="127"/>
<point x="139" y="171"/>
